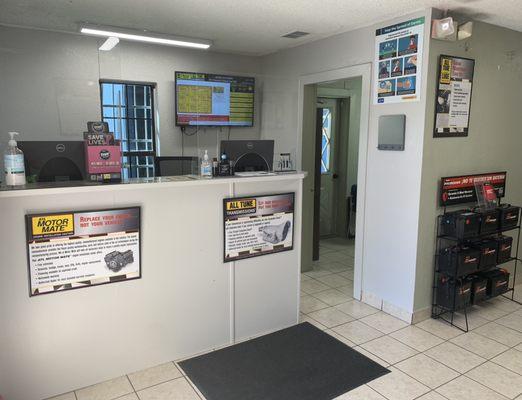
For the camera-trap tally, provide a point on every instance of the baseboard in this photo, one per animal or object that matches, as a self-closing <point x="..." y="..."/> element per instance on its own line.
<point x="371" y="299"/>
<point x="389" y="308"/>
<point x="397" y="312"/>
<point x="421" y="315"/>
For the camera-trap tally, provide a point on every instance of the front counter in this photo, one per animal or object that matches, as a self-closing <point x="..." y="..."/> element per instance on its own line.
<point x="187" y="301"/>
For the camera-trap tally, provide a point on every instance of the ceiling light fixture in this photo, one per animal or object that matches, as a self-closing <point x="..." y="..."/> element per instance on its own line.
<point x="146" y="37"/>
<point x="109" y="43"/>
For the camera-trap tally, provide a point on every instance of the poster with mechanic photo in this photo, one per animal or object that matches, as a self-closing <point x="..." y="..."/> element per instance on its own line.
<point x="398" y="59"/>
<point x="76" y="249"/>
<point x="453" y="102"/>
<point x="258" y="225"/>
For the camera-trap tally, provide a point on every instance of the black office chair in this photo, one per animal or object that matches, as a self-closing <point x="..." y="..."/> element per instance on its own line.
<point x="351" y="208"/>
<point x="175" y="165"/>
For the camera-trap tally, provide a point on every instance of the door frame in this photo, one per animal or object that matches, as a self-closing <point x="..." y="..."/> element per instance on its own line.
<point x="365" y="72"/>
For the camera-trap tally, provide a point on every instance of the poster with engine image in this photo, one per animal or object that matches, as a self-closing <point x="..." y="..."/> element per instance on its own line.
<point x="76" y="249"/>
<point x="258" y="225"/>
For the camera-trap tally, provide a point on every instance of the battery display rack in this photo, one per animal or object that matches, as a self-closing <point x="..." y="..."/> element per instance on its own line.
<point x="477" y="254"/>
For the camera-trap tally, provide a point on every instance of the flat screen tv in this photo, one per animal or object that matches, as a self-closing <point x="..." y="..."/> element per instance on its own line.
<point x="214" y="100"/>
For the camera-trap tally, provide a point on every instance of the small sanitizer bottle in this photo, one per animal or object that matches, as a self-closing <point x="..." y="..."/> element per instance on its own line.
<point x="206" y="166"/>
<point x="14" y="166"/>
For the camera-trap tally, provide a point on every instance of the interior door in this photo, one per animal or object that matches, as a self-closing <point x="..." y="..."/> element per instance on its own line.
<point x="328" y="176"/>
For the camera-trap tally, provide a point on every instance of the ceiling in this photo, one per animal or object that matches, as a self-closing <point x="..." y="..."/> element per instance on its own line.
<point x="252" y="27"/>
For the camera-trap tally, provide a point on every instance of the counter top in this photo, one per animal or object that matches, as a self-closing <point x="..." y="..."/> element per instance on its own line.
<point x="32" y="189"/>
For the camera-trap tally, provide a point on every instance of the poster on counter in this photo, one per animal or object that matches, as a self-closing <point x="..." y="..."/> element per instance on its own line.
<point x="452" y="108"/>
<point x="398" y="60"/>
<point x="258" y="225"/>
<point x="76" y="249"/>
<point x="461" y="189"/>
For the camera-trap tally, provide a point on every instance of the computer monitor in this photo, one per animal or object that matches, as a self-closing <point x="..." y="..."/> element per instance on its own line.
<point x="175" y="165"/>
<point x="53" y="161"/>
<point x="250" y="155"/>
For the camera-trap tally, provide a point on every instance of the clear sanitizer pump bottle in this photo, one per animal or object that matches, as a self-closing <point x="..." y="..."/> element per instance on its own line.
<point x="206" y="166"/>
<point x="14" y="166"/>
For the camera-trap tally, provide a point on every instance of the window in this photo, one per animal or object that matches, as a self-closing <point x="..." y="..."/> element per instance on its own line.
<point x="326" y="140"/>
<point x="128" y="108"/>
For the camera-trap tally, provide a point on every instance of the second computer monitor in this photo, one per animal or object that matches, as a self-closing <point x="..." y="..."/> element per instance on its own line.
<point x="250" y="155"/>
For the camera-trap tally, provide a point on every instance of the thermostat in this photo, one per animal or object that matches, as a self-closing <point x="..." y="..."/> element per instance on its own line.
<point x="392" y="132"/>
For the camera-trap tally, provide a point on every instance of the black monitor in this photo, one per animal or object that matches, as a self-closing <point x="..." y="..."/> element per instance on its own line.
<point x="175" y="165"/>
<point x="54" y="161"/>
<point x="250" y="155"/>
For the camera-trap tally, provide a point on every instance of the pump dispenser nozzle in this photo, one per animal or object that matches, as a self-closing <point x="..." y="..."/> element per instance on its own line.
<point x="12" y="141"/>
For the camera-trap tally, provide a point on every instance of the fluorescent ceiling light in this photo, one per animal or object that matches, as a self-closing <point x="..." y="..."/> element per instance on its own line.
<point x="109" y="43"/>
<point x="148" y="37"/>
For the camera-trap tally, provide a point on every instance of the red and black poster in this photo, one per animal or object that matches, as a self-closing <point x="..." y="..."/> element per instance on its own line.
<point x="461" y="189"/>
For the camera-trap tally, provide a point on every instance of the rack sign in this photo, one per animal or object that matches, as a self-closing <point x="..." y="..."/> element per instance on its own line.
<point x="461" y="189"/>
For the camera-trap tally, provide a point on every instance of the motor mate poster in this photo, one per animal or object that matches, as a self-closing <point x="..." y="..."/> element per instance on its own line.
<point x="398" y="61"/>
<point x="454" y="84"/>
<point x="70" y="250"/>
<point x="258" y="225"/>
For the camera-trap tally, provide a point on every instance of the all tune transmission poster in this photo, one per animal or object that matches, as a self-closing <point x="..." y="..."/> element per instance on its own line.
<point x="398" y="61"/>
<point x="70" y="250"/>
<point x="258" y="225"/>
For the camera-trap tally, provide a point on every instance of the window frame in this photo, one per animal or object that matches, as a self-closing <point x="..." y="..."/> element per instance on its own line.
<point x="129" y="154"/>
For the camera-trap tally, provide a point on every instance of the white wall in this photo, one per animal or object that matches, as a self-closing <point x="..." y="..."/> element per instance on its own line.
<point x="50" y="84"/>
<point x="393" y="178"/>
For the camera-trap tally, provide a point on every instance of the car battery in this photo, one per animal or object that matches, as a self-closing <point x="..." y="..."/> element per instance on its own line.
<point x="458" y="261"/>
<point x="488" y="253"/>
<point x="462" y="224"/>
<point x="452" y="293"/>
<point x="479" y="289"/>
<point x="509" y="216"/>
<point x="489" y="221"/>
<point x="498" y="282"/>
<point x="504" y="246"/>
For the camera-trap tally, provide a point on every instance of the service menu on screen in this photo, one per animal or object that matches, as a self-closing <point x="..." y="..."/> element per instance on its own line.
<point x="209" y="99"/>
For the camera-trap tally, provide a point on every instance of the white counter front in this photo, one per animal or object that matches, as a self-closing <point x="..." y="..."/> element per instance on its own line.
<point x="187" y="301"/>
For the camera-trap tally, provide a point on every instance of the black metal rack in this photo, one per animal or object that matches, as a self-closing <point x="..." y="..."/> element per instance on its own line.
<point x="443" y="241"/>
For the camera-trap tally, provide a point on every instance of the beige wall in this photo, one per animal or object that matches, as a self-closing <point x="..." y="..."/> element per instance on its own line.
<point x="495" y="133"/>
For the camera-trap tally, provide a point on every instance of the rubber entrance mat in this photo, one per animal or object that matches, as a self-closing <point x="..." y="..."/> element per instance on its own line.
<point x="298" y="363"/>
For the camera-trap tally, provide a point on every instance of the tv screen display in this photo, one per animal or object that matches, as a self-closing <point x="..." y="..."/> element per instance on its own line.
<point x="214" y="100"/>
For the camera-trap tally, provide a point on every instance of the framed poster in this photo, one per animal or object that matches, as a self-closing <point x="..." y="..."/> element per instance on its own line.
<point x="398" y="62"/>
<point x="461" y="189"/>
<point x="453" y="104"/>
<point x="258" y="225"/>
<point x="75" y="249"/>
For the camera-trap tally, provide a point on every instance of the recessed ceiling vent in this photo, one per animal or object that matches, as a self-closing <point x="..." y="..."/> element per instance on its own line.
<point x="295" y="34"/>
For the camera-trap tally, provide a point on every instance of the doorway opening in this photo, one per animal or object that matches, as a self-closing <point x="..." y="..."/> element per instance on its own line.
<point x="335" y="180"/>
<point x="334" y="151"/>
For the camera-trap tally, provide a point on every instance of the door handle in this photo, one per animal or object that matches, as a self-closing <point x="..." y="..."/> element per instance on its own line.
<point x="335" y="176"/>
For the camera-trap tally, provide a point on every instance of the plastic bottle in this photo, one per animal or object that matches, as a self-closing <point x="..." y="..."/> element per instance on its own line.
<point x="206" y="166"/>
<point x="14" y="166"/>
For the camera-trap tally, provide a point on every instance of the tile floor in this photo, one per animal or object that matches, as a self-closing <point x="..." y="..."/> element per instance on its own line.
<point x="429" y="361"/>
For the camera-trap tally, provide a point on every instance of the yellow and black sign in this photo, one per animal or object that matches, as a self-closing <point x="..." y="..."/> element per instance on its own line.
<point x="445" y="71"/>
<point x="243" y="204"/>
<point x="52" y="225"/>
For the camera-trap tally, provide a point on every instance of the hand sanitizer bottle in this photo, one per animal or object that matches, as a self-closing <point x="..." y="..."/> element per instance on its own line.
<point x="14" y="166"/>
<point x="206" y="166"/>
